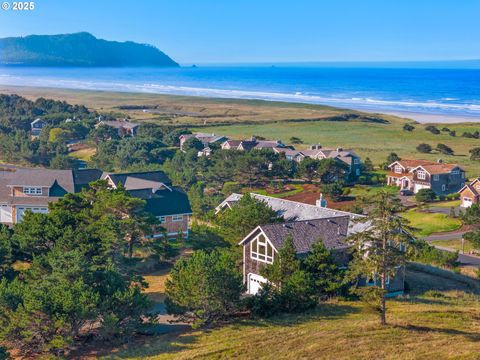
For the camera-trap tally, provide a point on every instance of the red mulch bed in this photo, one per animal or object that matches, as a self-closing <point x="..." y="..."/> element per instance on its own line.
<point x="311" y="193"/>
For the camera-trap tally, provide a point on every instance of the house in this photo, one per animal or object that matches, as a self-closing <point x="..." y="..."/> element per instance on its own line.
<point x="347" y="156"/>
<point x="168" y="203"/>
<point x="206" y="139"/>
<point x="252" y="144"/>
<point x="23" y="189"/>
<point x="470" y="193"/>
<point x="290" y="154"/>
<point x="36" y="126"/>
<point x="414" y="175"/>
<point x="305" y="224"/>
<point x="124" y="127"/>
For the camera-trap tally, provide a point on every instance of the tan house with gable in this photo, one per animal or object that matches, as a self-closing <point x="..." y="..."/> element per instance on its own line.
<point x="470" y="193"/>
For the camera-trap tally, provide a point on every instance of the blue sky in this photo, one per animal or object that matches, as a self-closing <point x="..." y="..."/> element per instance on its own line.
<point x="241" y="31"/>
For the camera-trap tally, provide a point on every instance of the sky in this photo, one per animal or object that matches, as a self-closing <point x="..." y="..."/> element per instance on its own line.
<point x="268" y="31"/>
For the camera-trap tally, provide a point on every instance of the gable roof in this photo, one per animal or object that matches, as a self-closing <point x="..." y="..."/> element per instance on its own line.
<point x="331" y="231"/>
<point x="137" y="180"/>
<point x="471" y="187"/>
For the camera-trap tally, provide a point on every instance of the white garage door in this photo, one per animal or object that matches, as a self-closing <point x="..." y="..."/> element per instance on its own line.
<point x="467" y="202"/>
<point x="255" y="283"/>
<point x="418" y="187"/>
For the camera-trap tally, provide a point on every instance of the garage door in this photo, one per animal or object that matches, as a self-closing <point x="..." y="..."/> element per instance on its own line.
<point x="21" y="211"/>
<point x="255" y="283"/>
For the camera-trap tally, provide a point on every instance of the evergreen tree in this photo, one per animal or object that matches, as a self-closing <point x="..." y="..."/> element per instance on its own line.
<point x="378" y="250"/>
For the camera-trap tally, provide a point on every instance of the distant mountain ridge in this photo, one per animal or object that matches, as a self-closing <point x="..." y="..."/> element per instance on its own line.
<point x="79" y="49"/>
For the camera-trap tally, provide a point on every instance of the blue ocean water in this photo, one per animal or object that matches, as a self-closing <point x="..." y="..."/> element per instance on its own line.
<point x="454" y="92"/>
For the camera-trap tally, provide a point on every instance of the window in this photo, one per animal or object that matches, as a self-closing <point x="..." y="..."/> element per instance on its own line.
<point x="398" y="169"/>
<point x="467" y="199"/>
<point x="162" y="219"/>
<point x="261" y="250"/>
<point x="436" y="177"/>
<point x="421" y="175"/>
<point x="32" y="190"/>
<point x="177" y="218"/>
<point x="387" y="280"/>
<point x="444" y="187"/>
<point x="402" y="247"/>
<point x="356" y="161"/>
<point x="455" y="172"/>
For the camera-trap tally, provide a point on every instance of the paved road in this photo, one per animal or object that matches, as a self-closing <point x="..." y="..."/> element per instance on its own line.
<point x="452" y="235"/>
<point x="464" y="259"/>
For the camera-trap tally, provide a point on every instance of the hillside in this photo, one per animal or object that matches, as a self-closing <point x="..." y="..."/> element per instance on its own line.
<point x="80" y="49"/>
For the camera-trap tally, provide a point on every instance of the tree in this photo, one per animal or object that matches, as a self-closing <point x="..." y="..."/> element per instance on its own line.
<point x="334" y="191"/>
<point x="331" y="170"/>
<point x="471" y="215"/>
<point x="368" y="165"/>
<point x="425" y="195"/>
<point x="475" y="153"/>
<point x="308" y="168"/>
<point x="474" y="238"/>
<point x="408" y="127"/>
<point x="433" y="129"/>
<point x="76" y="280"/>
<point x="424" y="148"/>
<point x="392" y="157"/>
<point x="378" y="250"/>
<point x="4" y="354"/>
<point x="452" y="133"/>
<point x="204" y="287"/>
<point x="444" y="149"/>
<point x="61" y="162"/>
<point x="320" y="265"/>
<point x="284" y="265"/>
<point x="245" y="215"/>
<point x="296" y="140"/>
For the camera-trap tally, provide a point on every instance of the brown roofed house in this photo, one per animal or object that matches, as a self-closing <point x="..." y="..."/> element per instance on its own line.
<point x="470" y="193"/>
<point x="414" y="175"/>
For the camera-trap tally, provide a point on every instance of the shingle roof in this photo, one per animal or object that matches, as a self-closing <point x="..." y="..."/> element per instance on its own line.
<point x="83" y="177"/>
<point x="437" y="168"/>
<point x="332" y="231"/>
<point x="165" y="202"/>
<point x="297" y="211"/>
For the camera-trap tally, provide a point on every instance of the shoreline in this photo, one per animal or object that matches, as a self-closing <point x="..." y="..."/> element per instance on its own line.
<point x="423" y="118"/>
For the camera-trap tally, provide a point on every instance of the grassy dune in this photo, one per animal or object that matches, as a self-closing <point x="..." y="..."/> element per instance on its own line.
<point x="424" y="325"/>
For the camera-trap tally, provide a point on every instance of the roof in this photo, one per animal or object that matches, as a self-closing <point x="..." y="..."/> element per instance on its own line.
<point x="119" y="124"/>
<point x="331" y="231"/>
<point x="83" y="177"/>
<point x="297" y="211"/>
<point x="164" y="202"/>
<point x="411" y="163"/>
<point x="437" y="168"/>
<point x="36" y="121"/>
<point x="138" y="180"/>
<point x="471" y="187"/>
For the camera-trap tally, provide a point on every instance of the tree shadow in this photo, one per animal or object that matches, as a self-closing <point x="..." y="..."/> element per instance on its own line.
<point x="204" y="238"/>
<point x="415" y="328"/>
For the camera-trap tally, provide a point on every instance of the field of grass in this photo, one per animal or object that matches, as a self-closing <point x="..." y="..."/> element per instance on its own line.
<point x="277" y="120"/>
<point x="429" y="223"/>
<point x="371" y="140"/>
<point x="440" y="324"/>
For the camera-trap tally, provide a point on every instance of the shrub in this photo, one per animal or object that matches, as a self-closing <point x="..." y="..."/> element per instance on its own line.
<point x="452" y="133"/>
<point x="334" y="191"/>
<point x="408" y="127"/>
<point x="445" y="149"/>
<point x="425" y="195"/>
<point x="4" y="355"/>
<point x="445" y="129"/>
<point x="433" y="129"/>
<point x="475" y="153"/>
<point x="424" y="148"/>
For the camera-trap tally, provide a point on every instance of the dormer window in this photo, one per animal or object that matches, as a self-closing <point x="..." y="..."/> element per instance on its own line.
<point x="32" y="190"/>
<point x="436" y="177"/>
<point x="398" y="169"/>
<point x="455" y="172"/>
<point x="421" y="175"/>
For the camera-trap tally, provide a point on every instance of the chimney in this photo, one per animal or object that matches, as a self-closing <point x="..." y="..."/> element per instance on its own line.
<point x="339" y="149"/>
<point x="321" y="202"/>
<point x="315" y="147"/>
<point x="440" y="161"/>
<point x="253" y="138"/>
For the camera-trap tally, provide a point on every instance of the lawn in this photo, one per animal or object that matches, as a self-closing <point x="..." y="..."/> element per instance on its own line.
<point x="428" y="223"/>
<point x="424" y="325"/>
<point x="446" y="204"/>
<point x="368" y="190"/>
<point x="455" y="244"/>
<point x="83" y="154"/>
<point x="296" y="189"/>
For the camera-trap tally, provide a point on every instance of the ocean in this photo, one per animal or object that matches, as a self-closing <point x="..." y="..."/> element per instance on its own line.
<point x="448" y="92"/>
